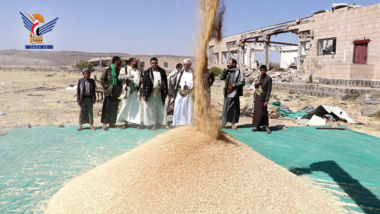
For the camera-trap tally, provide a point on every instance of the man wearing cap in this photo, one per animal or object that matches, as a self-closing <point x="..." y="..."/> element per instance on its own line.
<point x="112" y="90"/>
<point x="234" y="82"/>
<point x="263" y="89"/>
<point x="85" y="99"/>
<point x="183" y="106"/>
<point x="155" y="90"/>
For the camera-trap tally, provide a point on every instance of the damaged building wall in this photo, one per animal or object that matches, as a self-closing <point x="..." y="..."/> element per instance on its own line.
<point x="342" y="44"/>
<point x="352" y="32"/>
<point x="289" y="56"/>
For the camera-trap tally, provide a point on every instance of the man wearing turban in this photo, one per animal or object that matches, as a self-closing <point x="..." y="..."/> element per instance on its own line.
<point x="183" y="106"/>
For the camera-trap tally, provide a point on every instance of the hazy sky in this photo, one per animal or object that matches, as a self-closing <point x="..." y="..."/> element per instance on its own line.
<point x="143" y="26"/>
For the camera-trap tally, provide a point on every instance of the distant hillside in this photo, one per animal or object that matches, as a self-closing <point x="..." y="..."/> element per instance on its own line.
<point x="55" y="58"/>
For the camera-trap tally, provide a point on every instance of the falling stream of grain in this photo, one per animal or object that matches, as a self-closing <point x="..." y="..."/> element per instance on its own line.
<point x="211" y="16"/>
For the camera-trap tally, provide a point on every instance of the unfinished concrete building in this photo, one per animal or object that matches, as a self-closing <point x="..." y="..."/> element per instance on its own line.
<point x="340" y="44"/>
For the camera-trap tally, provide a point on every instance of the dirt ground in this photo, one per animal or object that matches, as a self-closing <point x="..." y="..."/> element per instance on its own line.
<point x="39" y="99"/>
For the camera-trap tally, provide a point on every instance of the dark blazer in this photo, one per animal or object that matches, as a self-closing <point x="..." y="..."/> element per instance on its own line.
<point x="80" y="92"/>
<point x="267" y="88"/>
<point x="148" y="83"/>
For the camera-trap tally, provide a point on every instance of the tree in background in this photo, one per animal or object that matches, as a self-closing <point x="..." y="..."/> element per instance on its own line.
<point x="216" y="70"/>
<point x="82" y="64"/>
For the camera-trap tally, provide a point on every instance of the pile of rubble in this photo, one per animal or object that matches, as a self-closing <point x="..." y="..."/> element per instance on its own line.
<point x="288" y="75"/>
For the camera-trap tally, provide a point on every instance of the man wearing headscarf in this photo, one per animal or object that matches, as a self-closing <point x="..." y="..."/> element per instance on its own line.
<point x="130" y="110"/>
<point x="172" y="83"/>
<point x="112" y="90"/>
<point x="173" y="79"/>
<point x="183" y="106"/>
<point x="155" y="90"/>
<point x="86" y="99"/>
<point x="233" y="89"/>
<point x="261" y="98"/>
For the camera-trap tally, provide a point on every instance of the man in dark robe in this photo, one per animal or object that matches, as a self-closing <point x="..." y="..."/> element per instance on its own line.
<point x="234" y="82"/>
<point x="208" y="79"/>
<point x="112" y="90"/>
<point x="263" y="89"/>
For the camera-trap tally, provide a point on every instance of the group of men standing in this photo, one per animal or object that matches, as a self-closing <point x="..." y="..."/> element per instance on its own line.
<point x="147" y="91"/>
<point x="234" y="82"/>
<point x="143" y="95"/>
<point x="130" y="86"/>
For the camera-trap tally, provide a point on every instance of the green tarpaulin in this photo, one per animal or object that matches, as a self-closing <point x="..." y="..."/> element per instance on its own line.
<point x="36" y="162"/>
<point x="287" y="114"/>
<point x="345" y="162"/>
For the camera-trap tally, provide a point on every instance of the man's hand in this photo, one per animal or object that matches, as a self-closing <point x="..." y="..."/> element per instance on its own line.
<point x="265" y="103"/>
<point x="142" y="79"/>
<point x="132" y="76"/>
<point x="78" y="103"/>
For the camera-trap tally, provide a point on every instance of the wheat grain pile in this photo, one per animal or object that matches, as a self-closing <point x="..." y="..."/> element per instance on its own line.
<point x="192" y="169"/>
<point x="186" y="171"/>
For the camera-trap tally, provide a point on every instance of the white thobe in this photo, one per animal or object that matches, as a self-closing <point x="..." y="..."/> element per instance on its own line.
<point x="154" y="110"/>
<point x="131" y="107"/>
<point x="183" y="106"/>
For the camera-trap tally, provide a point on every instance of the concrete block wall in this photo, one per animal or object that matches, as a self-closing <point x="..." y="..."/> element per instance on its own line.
<point x="340" y="71"/>
<point x="346" y="71"/>
<point x="362" y="71"/>
<point x="347" y="26"/>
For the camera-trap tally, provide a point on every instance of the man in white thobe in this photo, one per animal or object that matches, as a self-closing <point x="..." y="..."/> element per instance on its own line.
<point x="130" y="110"/>
<point x="183" y="106"/>
<point x="155" y="91"/>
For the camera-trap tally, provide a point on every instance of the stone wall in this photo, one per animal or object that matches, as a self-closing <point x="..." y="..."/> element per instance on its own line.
<point x="338" y="92"/>
<point x="350" y="82"/>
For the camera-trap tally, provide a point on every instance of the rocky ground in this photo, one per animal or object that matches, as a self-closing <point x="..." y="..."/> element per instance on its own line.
<point x="40" y="98"/>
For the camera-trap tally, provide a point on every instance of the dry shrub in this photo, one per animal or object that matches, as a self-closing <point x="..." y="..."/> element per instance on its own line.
<point x="377" y="114"/>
